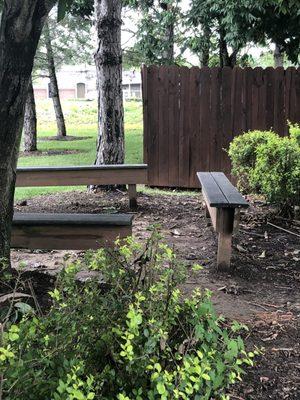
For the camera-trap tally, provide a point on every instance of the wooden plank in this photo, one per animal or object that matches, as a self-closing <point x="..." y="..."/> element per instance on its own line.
<point x="234" y="198"/>
<point x="205" y="118"/>
<point x="287" y="95"/>
<point x="224" y="252"/>
<point x="215" y="124"/>
<point x="225" y="223"/>
<point x="173" y="119"/>
<point x="226" y="117"/>
<point x="144" y="73"/>
<point x="153" y="126"/>
<point x="46" y="219"/>
<point x="214" y="196"/>
<point x="279" y="111"/>
<point x="238" y="124"/>
<point x="194" y="116"/>
<point x="184" y="146"/>
<point x="269" y="74"/>
<point x="68" y="231"/>
<point x="66" y="237"/>
<point x="77" y="176"/>
<point x="163" y="154"/>
<point x="248" y="106"/>
<point x="132" y="196"/>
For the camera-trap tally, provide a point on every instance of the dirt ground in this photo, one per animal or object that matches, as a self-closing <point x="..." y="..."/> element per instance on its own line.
<point x="262" y="290"/>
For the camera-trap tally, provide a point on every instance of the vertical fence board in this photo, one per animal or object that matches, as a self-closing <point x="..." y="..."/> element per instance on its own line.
<point x="278" y="112"/>
<point x="153" y="121"/>
<point x="163" y="130"/>
<point x="205" y="118"/>
<point x="191" y="115"/>
<point x="194" y="116"/>
<point x="173" y="118"/>
<point x="215" y="124"/>
<point x="184" y="133"/>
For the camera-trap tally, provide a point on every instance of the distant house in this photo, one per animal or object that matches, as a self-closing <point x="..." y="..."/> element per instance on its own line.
<point x="79" y="82"/>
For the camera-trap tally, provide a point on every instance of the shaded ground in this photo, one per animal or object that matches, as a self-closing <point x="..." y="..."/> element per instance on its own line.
<point x="262" y="291"/>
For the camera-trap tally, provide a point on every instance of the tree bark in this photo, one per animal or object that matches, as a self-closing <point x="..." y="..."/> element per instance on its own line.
<point x="54" y="91"/>
<point x="30" y="128"/>
<point x="168" y="54"/>
<point x="226" y="60"/>
<point x="21" y="25"/>
<point x="204" y="56"/>
<point x="278" y="57"/>
<point x="108" y="60"/>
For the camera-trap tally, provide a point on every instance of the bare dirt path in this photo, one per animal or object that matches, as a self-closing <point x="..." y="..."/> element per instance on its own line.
<point x="262" y="291"/>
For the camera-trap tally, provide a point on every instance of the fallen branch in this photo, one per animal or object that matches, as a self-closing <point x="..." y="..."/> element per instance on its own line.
<point x="282" y="229"/>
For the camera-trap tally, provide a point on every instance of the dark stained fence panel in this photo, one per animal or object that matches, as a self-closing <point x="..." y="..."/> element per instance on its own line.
<point x="192" y="115"/>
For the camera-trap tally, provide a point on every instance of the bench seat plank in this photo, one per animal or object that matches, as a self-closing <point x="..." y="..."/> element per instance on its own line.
<point x="210" y="188"/>
<point x="219" y="192"/>
<point x="234" y="198"/>
<point x="68" y="231"/>
<point x="82" y="175"/>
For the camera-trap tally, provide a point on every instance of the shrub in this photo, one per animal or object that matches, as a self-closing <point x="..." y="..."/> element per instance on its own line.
<point x="295" y="132"/>
<point x="136" y="338"/>
<point x="243" y="155"/>
<point x="277" y="171"/>
<point x="267" y="164"/>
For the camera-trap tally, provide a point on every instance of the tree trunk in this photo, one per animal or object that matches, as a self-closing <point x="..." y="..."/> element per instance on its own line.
<point x="226" y="60"/>
<point x="204" y="57"/>
<point x="168" y="54"/>
<point x="108" y="60"/>
<point x="278" y="57"/>
<point x="21" y="25"/>
<point x="53" y="87"/>
<point x="30" y="129"/>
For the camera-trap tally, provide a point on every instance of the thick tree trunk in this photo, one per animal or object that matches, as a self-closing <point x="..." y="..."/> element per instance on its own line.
<point x="226" y="60"/>
<point x="21" y="25"/>
<point x="278" y="57"/>
<point x="54" y="91"/>
<point x="108" y="60"/>
<point x="30" y="129"/>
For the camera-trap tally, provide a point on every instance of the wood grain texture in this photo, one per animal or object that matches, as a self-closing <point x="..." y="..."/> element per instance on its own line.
<point x="68" y="231"/>
<point x="193" y="114"/>
<point x="82" y="175"/>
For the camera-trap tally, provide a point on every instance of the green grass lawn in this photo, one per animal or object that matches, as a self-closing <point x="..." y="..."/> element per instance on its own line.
<point x="81" y="121"/>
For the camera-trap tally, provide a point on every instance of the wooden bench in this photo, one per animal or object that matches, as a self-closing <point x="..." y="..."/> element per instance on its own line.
<point x="120" y="174"/>
<point x="68" y="231"/>
<point x="223" y="203"/>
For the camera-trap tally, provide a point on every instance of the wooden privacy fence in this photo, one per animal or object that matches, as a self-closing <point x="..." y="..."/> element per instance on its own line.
<point x="191" y="115"/>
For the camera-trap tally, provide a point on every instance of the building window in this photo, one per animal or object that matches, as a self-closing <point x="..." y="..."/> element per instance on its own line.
<point x="80" y="90"/>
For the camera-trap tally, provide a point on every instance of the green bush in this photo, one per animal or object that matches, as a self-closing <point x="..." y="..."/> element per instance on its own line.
<point x="243" y="155"/>
<point x="135" y="338"/>
<point x="265" y="163"/>
<point x="277" y="171"/>
<point x="295" y="132"/>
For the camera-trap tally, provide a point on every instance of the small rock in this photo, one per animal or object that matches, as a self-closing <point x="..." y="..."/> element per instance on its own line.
<point x="22" y="203"/>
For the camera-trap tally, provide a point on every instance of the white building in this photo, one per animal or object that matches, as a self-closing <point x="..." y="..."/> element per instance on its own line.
<point x="79" y="82"/>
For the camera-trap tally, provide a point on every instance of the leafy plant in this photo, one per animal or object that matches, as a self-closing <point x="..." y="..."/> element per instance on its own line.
<point x="268" y="164"/>
<point x="136" y="337"/>
<point x="243" y="155"/>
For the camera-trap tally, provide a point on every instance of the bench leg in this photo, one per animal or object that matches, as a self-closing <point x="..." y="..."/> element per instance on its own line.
<point x="225" y="222"/>
<point x="224" y="251"/>
<point x="132" y="196"/>
<point x="206" y="211"/>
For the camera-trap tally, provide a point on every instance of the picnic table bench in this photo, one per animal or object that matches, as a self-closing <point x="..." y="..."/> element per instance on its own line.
<point x="68" y="231"/>
<point x="223" y="203"/>
<point x="120" y="174"/>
